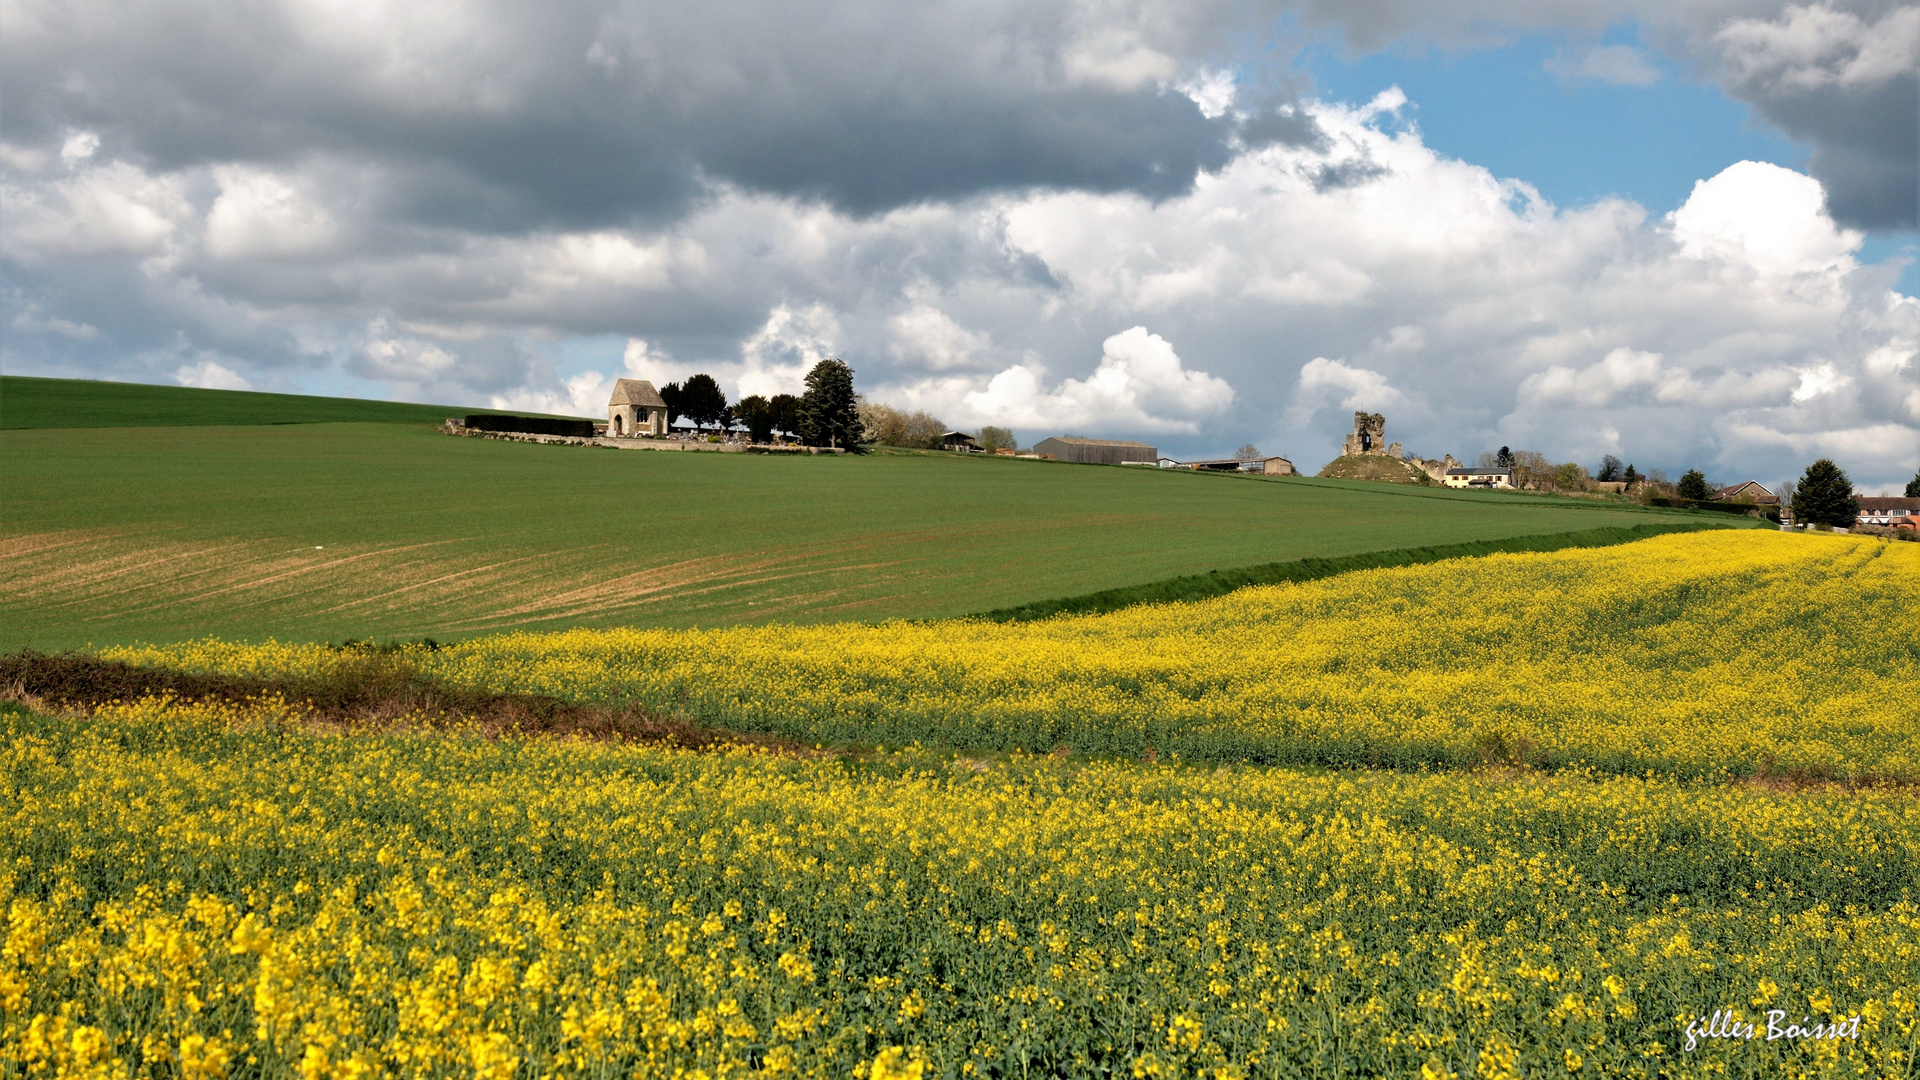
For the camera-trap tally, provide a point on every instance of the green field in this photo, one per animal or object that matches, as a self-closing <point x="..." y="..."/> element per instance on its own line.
<point x="85" y="403"/>
<point x="327" y="531"/>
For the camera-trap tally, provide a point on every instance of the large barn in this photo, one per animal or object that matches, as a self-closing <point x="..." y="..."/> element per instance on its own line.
<point x="1096" y="451"/>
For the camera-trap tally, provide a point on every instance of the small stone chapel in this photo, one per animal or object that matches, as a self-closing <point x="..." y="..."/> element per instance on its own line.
<point x="636" y="409"/>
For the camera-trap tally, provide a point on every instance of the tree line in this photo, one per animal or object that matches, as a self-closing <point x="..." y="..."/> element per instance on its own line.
<point x="827" y="414"/>
<point x="1823" y="495"/>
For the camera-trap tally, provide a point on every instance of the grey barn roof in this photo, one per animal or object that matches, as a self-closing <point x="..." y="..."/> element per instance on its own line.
<point x="1097" y="442"/>
<point x="636" y="392"/>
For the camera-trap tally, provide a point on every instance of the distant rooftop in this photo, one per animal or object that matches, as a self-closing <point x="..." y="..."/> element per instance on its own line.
<point x="1098" y="442"/>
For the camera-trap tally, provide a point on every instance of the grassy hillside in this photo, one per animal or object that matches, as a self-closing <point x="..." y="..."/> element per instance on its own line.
<point x="82" y="403"/>
<point x="1375" y="467"/>
<point x="329" y="531"/>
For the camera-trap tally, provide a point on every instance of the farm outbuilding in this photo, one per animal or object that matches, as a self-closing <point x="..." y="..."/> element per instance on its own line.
<point x="1095" y="451"/>
<point x="1265" y="466"/>
<point x="636" y="408"/>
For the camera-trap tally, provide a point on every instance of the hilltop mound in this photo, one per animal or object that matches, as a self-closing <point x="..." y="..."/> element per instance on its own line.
<point x="1377" y="467"/>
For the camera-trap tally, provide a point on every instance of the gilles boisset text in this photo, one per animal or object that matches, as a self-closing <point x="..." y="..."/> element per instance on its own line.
<point x="1724" y="1024"/>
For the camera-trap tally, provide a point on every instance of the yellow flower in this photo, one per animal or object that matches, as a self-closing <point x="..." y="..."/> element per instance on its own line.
<point x="893" y="1063"/>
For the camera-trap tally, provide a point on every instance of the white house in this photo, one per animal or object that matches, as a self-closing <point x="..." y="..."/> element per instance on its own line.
<point x="1470" y="476"/>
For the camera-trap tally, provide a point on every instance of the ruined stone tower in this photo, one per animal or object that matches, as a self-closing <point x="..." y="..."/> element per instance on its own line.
<point x="1369" y="437"/>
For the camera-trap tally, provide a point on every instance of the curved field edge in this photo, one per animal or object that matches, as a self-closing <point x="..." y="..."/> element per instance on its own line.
<point x="1716" y="654"/>
<point x="190" y="887"/>
<point x="1191" y="587"/>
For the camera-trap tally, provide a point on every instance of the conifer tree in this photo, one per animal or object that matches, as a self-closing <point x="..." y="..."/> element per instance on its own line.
<point x="1913" y="486"/>
<point x="1693" y="485"/>
<point x="1824" y="496"/>
<point x="829" y="414"/>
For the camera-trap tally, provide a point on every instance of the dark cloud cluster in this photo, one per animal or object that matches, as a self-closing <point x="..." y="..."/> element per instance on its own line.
<point x="498" y="116"/>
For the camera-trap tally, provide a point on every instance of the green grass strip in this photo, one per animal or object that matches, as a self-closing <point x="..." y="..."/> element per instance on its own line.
<point x="1220" y="582"/>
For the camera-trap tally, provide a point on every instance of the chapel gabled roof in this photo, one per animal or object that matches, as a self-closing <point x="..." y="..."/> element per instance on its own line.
<point x="636" y="392"/>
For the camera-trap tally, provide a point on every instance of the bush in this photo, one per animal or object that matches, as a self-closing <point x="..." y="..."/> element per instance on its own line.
<point x="530" y="425"/>
<point x="1696" y="504"/>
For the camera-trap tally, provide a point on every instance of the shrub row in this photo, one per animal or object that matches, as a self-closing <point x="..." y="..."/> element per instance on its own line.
<point x="530" y="425"/>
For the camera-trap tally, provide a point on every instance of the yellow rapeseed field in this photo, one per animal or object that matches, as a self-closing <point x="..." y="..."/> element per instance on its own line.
<point x="1698" y="655"/>
<point x="202" y="892"/>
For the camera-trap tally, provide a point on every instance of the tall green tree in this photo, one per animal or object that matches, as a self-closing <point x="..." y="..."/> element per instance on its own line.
<point x="1693" y="485"/>
<point x="1913" y="486"/>
<point x="670" y="394"/>
<point x="1824" y="496"/>
<point x="757" y="413"/>
<point x="702" y="400"/>
<point x="786" y="413"/>
<point x="1503" y="459"/>
<point x="830" y="415"/>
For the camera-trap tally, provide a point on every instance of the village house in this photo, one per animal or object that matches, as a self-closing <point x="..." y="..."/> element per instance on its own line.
<point x="636" y="408"/>
<point x="1876" y="510"/>
<point x="1749" y="491"/>
<point x="1475" y="477"/>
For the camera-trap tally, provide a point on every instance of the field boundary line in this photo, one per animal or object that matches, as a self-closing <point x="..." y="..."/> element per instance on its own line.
<point x="1189" y="587"/>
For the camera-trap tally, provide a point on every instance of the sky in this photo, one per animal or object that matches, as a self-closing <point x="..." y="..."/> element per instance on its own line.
<point x="1680" y="233"/>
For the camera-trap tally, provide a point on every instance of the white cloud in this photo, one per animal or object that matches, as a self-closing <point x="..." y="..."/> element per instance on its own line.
<point x="773" y="360"/>
<point x="1620" y="371"/>
<point x="32" y="321"/>
<point x="1819" y="381"/>
<point x="926" y="335"/>
<point x="78" y="147"/>
<point x="1115" y="57"/>
<point x="209" y="375"/>
<point x="1322" y="381"/>
<point x="1817" y="45"/>
<point x="109" y="209"/>
<point x="400" y="358"/>
<point x="1890" y="359"/>
<point x="1762" y="216"/>
<point x="1140" y="386"/>
<point x="257" y="214"/>
<point x="1212" y="89"/>
<point x="584" y="395"/>
<point x="1614" y="65"/>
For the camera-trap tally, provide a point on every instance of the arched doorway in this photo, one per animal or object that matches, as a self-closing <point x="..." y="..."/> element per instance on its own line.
<point x="619" y="425"/>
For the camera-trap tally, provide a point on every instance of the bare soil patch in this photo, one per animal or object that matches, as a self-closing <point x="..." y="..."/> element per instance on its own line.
<point x="379" y="689"/>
